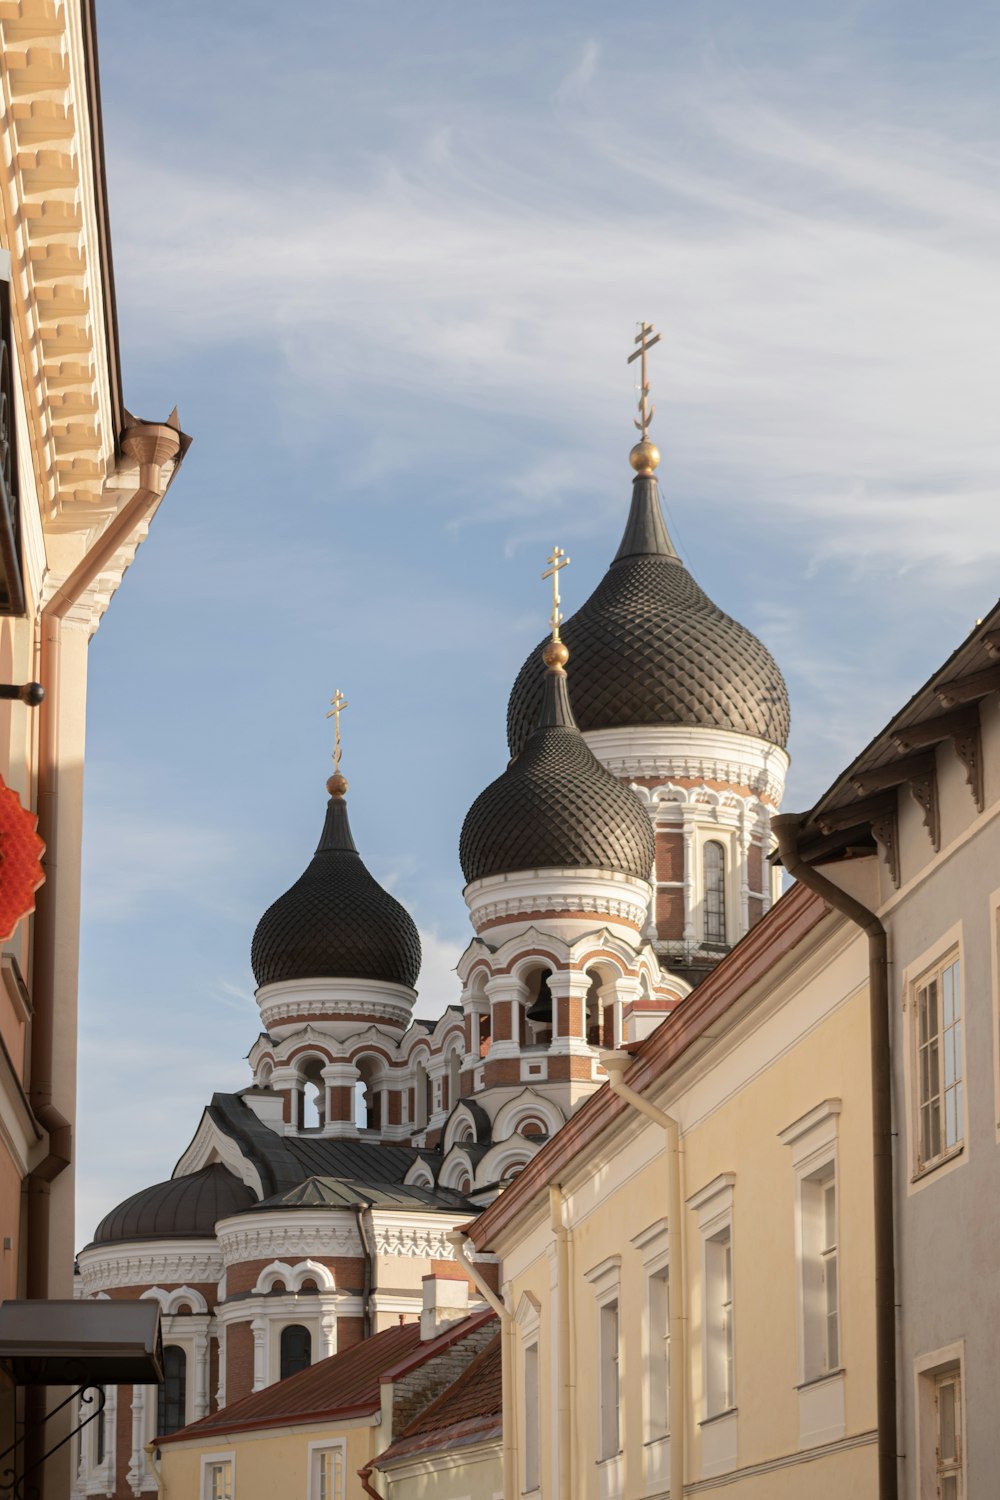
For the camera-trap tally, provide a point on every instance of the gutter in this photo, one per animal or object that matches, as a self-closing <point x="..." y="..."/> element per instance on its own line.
<point x="787" y="828"/>
<point x="368" y="1288"/>
<point x="458" y="1243"/>
<point x="152" y="444"/>
<point x="615" y="1064"/>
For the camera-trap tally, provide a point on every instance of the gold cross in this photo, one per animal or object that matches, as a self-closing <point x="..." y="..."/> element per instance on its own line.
<point x="339" y="703"/>
<point x="646" y="412"/>
<point x="556" y="561"/>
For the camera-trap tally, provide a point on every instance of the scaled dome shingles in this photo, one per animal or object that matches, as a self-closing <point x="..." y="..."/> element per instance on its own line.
<point x="556" y="807"/>
<point x="649" y="647"/>
<point x="183" y="1208"/>
<point x="336" y="921"/>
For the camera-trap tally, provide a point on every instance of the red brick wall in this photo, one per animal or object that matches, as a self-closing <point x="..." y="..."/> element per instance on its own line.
<point x="239" y="1361"/>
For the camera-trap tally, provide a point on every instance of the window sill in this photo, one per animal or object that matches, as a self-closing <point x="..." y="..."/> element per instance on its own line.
<point x="655" y="1442"/>
<point x="807" y="1385"/>
<point x="719" y="1416"/>
<point x="939" y="1161"/>
<point x="610" y="1458"/>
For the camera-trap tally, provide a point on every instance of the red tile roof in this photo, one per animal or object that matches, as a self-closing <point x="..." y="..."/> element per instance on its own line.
<point x="345" y="1385"/>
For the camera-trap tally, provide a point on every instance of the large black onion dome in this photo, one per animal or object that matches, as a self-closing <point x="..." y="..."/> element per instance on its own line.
<point x="336" y="921"/>
<point x="183" y="1208"/>
<point x="649" y="647"/>
<point x="555" y="806"/>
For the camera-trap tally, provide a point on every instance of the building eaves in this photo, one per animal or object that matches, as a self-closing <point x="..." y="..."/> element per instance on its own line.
<point x="773" y="939"/>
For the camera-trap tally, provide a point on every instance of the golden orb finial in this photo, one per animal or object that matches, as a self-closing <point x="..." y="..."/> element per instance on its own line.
<point x="645" y="455"/>
<point x="336" y="785"/>
<point x="556" y="655"/>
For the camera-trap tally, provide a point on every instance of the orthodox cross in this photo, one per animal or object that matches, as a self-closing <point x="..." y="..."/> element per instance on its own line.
<point x="556" y="561"/>
<point x="646" y="412"/>
<point x="339" y="703"/>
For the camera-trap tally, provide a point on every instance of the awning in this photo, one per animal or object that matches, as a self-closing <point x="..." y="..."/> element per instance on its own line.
<point x="82" y="1342"/>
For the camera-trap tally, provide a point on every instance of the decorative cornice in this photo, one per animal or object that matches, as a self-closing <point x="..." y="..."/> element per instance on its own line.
<point x="330" y="1232"/>
<point x="600" y="893"/>
<point x="176" y="1264"/>
<point x="687" y="752"/>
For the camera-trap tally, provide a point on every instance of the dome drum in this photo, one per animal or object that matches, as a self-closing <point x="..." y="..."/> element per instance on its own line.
<point x="570" y="901"/>
<point x="336" y="1007"/>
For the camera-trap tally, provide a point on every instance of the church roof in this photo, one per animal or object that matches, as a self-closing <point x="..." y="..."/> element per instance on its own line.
<point x="183" y="1208"/>
<point x="336" y="921"/>
<point x="649" y="647"/>
<point x="339" y="1192"/>
<point x="469" y="1411"/>
<point x="555" y="806"/>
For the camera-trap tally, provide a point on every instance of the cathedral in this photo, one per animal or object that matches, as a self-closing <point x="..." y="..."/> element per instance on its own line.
<point x="622" y="853"/>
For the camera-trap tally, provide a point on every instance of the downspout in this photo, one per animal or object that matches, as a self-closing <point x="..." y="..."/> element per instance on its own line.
<point x="509" y="1461"/>
<point x="151" y="444"/>
<point x="563" y="1313"/>
<point x="615" y="1064"/>
<point x="786" y="828"/>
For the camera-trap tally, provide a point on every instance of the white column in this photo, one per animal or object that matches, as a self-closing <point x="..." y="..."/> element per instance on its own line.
<point x="259" y="1330"/>
<point x="328" y="1331"/>
<point x="200" y="1407"/>
<point x="690" y="935"/>
<point x="220" y="1392"/>
<point x="137" y="1464"/>
<point x="505" y="988"/>
<point x="743" y="840"/>
<point x="574" y="985"/>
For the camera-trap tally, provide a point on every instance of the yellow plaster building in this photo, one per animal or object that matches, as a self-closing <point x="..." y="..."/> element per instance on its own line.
<point x="705" y="1316"/>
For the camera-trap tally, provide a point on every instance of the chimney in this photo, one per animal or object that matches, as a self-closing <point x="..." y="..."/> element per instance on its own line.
<point x="446" y="1300"/>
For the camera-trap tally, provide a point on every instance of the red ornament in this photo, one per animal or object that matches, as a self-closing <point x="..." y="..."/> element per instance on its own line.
<point x="21" y="853"/>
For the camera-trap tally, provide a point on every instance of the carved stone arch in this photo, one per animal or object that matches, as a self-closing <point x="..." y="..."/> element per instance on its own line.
<point x="278" y="1270"/>
<point x="171" y="1301"/>
<point x="526" y="1105"/>
<point x="468" y="1121"/>
<point x="456" y="1171"/>
<point x="419" y="1175"/>
<point x="368" y="1049"/>
<point x="514" y="1153"/>
<point x="311" y="1270"/>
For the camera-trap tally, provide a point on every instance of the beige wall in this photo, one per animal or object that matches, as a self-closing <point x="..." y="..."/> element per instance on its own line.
<point x="474" y="1472"/>
<point x="267" y="1465"/>
<point x="801" y="1044"/>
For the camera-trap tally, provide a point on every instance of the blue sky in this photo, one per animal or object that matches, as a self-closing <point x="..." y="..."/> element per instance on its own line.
<point x="388" y="259"/>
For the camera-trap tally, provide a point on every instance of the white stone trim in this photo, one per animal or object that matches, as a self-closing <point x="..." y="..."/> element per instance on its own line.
<point x="175" y="1261"/>
<point x="284" y="1001"/>
<point x="302" y="1232"/>
<point x="602" y="893"/>
<point x="690" y="751"/>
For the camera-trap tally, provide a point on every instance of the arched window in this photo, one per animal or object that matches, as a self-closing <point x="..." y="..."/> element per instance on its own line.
<point x="714" y="870"/>
<point x="421" y="1096"/>
<point x="454" y="1077"/>
<point x="171" y="1396"/>
<point x="296" y="1350"/>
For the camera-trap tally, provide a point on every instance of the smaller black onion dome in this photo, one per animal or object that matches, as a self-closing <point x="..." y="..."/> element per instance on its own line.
<point x="555" y="806"/>
<point x="336" y="921"/>
<point x="183" y="1208"/>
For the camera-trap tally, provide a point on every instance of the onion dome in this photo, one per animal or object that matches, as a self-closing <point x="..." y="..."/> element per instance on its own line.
<point x="181" y="1209"/>
<point x="555" y="806"/>
<point x="336" y="921"/>
<point x="650" y="648"/>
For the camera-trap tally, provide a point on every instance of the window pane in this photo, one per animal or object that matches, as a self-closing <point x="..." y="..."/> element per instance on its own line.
<point x="946" y="1420"/>
<point x="296" y="1350"/>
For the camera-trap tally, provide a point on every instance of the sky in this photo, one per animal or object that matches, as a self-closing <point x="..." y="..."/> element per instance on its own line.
<point x="388" y="260"/>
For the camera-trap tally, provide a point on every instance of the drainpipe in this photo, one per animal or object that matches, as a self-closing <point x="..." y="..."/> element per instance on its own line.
<point x="563" y="1314"/>
<point x="615" y="1064"/>
<point x="787" y="828"/>
<point x="151" y="444"/>
<point x="509" y="1463"/>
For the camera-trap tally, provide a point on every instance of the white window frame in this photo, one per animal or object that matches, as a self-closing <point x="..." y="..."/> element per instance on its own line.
<point x="947" y="950"/>
<point x="209" y="1463"/>
<point x="995" y="975"/>
<point x="719" y="1425"/>
<point x="930" y="1370"/>
<point x="812" y="1141"/>
<point x="605" y="1278"/>
<point x="528" y="1319"/>
<point x="653" y="1244"/>
<point x="317" y="1452"/>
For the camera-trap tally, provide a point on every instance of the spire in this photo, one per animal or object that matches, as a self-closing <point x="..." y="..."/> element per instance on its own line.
<point x="645" y="530"/>
<point x="556" y="712"/>
<point x="337" y="784"/>
<point x="336" y="836"/>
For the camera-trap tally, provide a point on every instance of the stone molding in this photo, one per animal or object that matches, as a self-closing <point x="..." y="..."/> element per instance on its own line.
<point x="176" y="1264"/>
<point x="670" y="751"/>
<point x="329" y="1232"/>
<point x="599" y="892"/>
<point x="285" y="1001"/>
